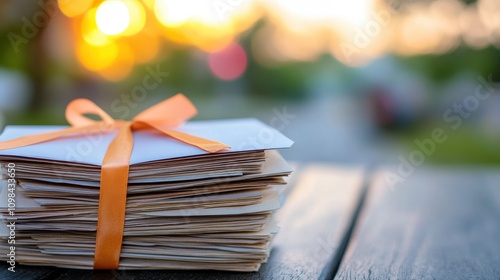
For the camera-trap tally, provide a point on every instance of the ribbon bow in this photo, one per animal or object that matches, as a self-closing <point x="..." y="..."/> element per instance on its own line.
<point x="115" y="166"/>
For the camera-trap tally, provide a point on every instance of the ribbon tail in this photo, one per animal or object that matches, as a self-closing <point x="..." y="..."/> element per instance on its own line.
<point x="113" y="200"/>
<point x="45" y="137"/>
<point x="202" y="143"/>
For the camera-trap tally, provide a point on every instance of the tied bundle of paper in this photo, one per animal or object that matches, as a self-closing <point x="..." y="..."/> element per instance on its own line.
<point x="185" y="208"/>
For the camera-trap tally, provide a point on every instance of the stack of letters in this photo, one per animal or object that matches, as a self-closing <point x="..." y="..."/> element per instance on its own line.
<point x="186" y="208"/>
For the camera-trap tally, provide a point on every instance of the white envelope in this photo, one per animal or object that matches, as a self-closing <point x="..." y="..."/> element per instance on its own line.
<point x="240" y="134"/>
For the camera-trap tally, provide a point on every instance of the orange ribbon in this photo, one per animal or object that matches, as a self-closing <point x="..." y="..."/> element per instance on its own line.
<point x="115" y="166"/>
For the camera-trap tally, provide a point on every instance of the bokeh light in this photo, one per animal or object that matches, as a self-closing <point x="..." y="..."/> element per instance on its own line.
<point x="289" y="30"/>
<point x="229" y="63"/>
<point x="137" y="17"/>
<point x="121" y="66"/>
<point x="96" y="58"/>
<point x="73" y="8"/>
<point x="145" y="46"/>
<point x="173" y="13"/>
<point x="112" y="17"/>
<point x="90" y="32"/>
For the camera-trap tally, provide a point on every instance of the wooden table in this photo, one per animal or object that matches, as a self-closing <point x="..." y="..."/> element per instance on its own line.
<point x="348" y="223"/>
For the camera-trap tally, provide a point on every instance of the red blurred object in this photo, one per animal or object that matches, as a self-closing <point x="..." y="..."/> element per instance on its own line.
<point x="229" y="63"/>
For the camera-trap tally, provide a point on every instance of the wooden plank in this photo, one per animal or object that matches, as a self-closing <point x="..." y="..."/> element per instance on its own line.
<point x="314" y="220"/>
<point x="437" y="224"/>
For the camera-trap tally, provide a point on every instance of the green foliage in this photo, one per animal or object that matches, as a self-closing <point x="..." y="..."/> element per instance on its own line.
<point x="464" y="146"/>
<point x="287" y="80"/>
<point x="445" y="66"/>
<point x="39" y="117"/>
<point x="8" y="57"/>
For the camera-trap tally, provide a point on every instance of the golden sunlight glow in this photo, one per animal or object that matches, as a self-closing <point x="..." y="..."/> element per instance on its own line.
<point x="314" y="12"/>
<point x="137" y="17"/>
<point x="96" y="58"/>
<point x="172" y="12"/>
<point x="208" y="25"/>
<point x="354" y="12"/>
<point x="269" y="45"/>
<point x="150" y="4"/>
<point x="90" y="33"/>
<point x="71" y="8"/>
<point x="322" y="22"/>
<point x="114" y="35"/>
<point x="112" y="17"/>
<point x="144" y="46"/>
<point x="121" y="66"/>
<point x="205" y="37"/>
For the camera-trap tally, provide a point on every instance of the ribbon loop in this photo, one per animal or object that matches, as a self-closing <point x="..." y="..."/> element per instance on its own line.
<point x="77" y="108"/>
<point x="178" y="109"/>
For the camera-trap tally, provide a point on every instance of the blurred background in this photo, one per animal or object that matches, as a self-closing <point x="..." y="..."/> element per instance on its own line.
<point x="350" y="81"/>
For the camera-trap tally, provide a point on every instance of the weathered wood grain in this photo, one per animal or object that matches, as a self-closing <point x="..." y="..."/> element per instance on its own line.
<point x="437" y="224"/>
<point x="314" y="220"/>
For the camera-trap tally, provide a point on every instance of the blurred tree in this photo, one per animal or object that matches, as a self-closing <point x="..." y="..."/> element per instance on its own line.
<point x="464" y="59"/>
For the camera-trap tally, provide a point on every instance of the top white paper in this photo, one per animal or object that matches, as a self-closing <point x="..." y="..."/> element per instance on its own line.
<point x="240" y="134"/>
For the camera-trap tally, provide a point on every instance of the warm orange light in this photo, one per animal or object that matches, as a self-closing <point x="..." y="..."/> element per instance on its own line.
<point x="269" y="45"/>
<point x="90" y="33"/>
<point x="121" y="66"/>
<point x="145" y="46"/>
<point x="115" y="36"/>
<point x="112" y="17"/>
<point x="73" y="8"/>
<point x="150" y="4"/>
<point x="205" y="24"/>
<point x="172" y="12"/>
<point x="137" y="17"/>
<point x="96" y="58"/>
